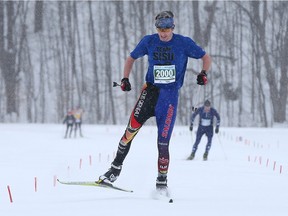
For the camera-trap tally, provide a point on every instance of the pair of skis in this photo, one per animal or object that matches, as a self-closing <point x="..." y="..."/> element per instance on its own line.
<point x="102" y="184"/>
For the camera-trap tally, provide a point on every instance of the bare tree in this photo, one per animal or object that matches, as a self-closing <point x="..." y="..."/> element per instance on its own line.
<point x="38" y="13"/>
<point x="278" y="96"/>
<point x="94" y="63"/>
<point x="108" y="69"/>
<point x="8" y="53"/>
<point x="202" y="35"/>
<point x="63" y="54"/>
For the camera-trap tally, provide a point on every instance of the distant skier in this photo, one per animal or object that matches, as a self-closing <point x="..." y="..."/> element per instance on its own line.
<point x="69" y="120"/>
<point x="78" y="121"/>
<point x="206" y="114"/>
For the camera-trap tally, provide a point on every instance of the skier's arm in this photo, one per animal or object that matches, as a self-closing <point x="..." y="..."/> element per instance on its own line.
<point x="218" y="122"/>
<point x="218" y="119"/>
<point x="202" y="76"/>
<point x="125" y="84"/>
<point x="194" y="114"/>
<point x="128" y="66"/>
<point x="216" y="114"/>
<point x="206" y="59"/>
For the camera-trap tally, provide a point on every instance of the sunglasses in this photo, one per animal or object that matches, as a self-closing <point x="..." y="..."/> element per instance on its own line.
<point x="164" y="29"/>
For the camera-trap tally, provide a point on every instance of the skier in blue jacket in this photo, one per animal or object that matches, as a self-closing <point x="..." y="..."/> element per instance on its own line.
<point x="168" y="55"/>
<point x="206" y="116"/>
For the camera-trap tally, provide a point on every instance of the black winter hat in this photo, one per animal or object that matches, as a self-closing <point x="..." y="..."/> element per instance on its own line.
<point x="207" y="103"/>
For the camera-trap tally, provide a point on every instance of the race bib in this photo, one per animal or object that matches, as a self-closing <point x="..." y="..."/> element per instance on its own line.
<point x="164" y="74"/>
<point x="205" y="122"/>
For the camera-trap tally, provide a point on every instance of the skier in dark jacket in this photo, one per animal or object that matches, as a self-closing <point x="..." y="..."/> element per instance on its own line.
<point x="206" y="114"/>
<point x="69" y="120"/>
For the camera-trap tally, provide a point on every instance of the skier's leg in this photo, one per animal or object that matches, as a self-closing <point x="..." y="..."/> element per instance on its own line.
<point x="71" y="129"/>
<point x="165" y="113"/>
<point x="75" y="129"/>
<point x="142" y="111"/>
<point x="199" y="135"/>
<point x="209" y="134"/>
<point x="66" y="133"/>
<point x="209" y="143"/>
<point x="80" y="129"/>
<point x="125" y="142"/>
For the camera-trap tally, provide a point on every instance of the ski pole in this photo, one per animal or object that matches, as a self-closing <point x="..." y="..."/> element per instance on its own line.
<point x="198" y="93"/>
<point x="222" y="147"/>
<point x="192" y="137"/>
<point x="115" y="84"/>
<point x="196" y="103"/>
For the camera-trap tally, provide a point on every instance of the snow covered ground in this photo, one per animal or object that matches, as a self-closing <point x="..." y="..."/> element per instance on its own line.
<point x="246" y="174"/>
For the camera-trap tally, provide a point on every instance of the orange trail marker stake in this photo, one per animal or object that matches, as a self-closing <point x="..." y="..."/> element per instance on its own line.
<point x="80" y="164"/>
<point x="10" y="195"/>
<point x="35" y="184"/>
<point x="55" y="180"/>
<point x="90" y="160"/>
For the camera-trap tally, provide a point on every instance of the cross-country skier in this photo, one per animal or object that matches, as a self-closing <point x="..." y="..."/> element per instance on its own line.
<point x="69" y="120"/>
<point x="168" y="55"/>
<point x="206" y="116"/>
<point x="78" y="112"/>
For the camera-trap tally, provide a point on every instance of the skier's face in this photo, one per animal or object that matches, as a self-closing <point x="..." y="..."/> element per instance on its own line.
<point x="206" y="108"/>
<point x="165" y="34"/>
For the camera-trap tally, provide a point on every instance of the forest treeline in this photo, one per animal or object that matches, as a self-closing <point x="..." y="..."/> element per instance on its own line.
<point x="57" y="55"/>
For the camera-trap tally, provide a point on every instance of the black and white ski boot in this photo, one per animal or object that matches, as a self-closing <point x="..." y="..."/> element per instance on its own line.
<point x="161" y="186"/>
<point x="205" y="156"/>
<point x="191" y="157"/>
<point x="112" y="174"/>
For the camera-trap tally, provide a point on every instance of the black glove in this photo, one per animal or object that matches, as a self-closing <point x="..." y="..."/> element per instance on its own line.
<point x="202" y="78"/>
<point x="217" y="130"/>
<point x="191" y="127"/>
<point x="125" y="84"/>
